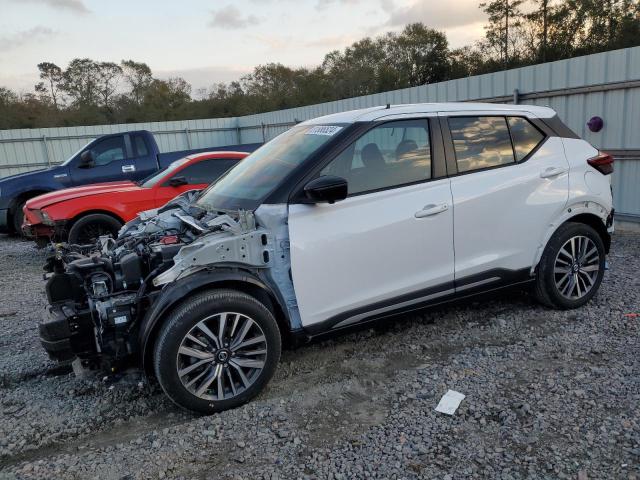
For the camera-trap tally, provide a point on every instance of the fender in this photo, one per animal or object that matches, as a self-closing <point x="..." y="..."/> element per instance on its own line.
<point x="572" y="210"/>
<point x="179" y="290"/>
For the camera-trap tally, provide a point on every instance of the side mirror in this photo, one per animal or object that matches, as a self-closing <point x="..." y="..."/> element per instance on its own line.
<point x="86" y="160"/>
<point x="178" y="181"/>
<point x="327" y="188"/>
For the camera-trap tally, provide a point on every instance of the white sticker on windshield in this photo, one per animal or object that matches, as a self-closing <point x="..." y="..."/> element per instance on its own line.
<point x="328" y="130"/>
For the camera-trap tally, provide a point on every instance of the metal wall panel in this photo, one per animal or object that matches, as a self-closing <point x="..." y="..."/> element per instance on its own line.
<point x="626" y="187"/>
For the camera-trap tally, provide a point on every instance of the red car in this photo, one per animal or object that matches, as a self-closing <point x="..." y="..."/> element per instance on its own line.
<point x="84" y="213"/>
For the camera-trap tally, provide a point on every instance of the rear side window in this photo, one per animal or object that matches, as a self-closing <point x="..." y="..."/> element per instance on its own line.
<point x="525" y="136"/>
<point x="481" y="142"/>
<point x="206" y="171"/>
<point x="140" y="146"/>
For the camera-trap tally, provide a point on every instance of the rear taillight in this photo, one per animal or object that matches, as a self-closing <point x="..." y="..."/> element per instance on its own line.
<point x="603" y="162"/>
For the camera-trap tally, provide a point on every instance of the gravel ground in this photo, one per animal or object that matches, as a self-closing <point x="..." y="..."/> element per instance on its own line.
<point x="548" y="395"/>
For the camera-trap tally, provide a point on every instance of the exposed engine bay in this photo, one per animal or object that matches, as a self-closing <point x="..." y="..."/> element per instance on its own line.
<point x="100" y="294"/>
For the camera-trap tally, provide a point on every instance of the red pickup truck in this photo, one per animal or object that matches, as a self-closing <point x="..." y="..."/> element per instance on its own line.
<point x="81" y="214"/>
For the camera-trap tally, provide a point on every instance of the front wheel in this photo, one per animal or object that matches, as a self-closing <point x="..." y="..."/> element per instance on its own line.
<point x="18" y="218"/>
<point x="571" y="268"/>
<point x="88" y="228"/>
<point x="216" y="351"/>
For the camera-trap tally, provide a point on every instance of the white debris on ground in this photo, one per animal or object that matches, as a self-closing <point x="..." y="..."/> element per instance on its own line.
<point x="450" y="402"/>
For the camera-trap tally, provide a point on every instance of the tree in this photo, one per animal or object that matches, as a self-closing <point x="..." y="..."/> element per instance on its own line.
<point x="80" y="81"/>
<point x="503" y="15"/>
<point x="419" y="54"/>
<point x="51" y="76"/>
<point x="138" y="76"/>
<point x="108" y="75"/>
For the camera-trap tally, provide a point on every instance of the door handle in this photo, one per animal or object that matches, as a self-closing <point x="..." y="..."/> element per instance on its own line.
<point x="552" y="172"/>
<point x="431" y="209"/>
<point x="128" y="168"/>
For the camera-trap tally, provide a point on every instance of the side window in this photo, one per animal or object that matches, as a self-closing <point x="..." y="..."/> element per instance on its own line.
<point x="525" y="136"/>
<point x="392" y="154"/>
<point x="480" y="142"/>
<point x="108" y="150"/>
<point x="140" y="146"/>
<point x="205" y="171"/>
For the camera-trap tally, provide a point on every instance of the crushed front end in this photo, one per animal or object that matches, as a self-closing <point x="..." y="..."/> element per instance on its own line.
<point x="99" y="294"/>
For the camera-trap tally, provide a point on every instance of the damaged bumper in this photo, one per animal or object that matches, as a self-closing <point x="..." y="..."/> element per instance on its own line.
<point x="65" y="334"/>
<point x="55" y="337"/>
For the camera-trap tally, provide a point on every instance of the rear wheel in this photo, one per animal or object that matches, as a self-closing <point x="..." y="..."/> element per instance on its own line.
<point x="216" y="351"/>
<point x="87" y="229"/>
<point x="571" y="268"/>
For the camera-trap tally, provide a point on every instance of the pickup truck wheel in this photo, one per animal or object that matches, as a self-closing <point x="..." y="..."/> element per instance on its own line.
<point x="87" y="229"/>
<point x="216" y="351"/>
<point x="571" y="268"/>
<point x="18" y="218"/>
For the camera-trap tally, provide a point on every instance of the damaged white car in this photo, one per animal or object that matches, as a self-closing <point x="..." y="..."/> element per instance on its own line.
<point x="341" y="220"/>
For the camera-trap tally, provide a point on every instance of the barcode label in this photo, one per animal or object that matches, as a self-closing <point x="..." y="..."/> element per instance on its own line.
<point x="328" y="130"/>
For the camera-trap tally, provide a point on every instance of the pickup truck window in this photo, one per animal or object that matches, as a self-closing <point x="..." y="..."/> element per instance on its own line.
<point x="108" y="150"/>
<point x="140" y="146"/>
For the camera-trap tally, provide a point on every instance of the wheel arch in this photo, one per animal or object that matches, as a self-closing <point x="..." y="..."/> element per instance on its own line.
<point x="174" y="295"/>
<point x="24" y="196"/>
<point x="588" y="213"/>
<point x="94" y="211"/>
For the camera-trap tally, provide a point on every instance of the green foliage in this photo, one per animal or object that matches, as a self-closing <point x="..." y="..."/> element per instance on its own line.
<point x="90" y="92"/>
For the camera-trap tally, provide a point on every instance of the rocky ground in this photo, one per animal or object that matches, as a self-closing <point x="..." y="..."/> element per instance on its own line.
<point x="548" y="395"/>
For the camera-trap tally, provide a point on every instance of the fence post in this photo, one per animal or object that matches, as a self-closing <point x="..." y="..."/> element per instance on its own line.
<point x="188" y="135"/>
<point x="238" y="134"/>
<point x="516" y="95"/>
<point x="46" y="149"/>
<point x="264" y="138"/>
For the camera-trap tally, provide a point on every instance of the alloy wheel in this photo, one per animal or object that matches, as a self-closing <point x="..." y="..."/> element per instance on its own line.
<point x="576" y="267"/>
<point x="221" y="356"/>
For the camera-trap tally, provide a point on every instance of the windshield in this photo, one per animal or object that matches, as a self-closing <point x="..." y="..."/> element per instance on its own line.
<point x="156" y="177"/>
<point x="247" y="184"/>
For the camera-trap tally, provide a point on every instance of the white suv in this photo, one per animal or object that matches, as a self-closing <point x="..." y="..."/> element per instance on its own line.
<point x="341" y="220"/>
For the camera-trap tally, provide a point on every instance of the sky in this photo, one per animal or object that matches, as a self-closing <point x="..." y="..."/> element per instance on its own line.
<point x="208" y="41"/>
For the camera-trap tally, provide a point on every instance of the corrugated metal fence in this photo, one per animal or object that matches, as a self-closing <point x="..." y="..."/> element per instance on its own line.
<point x="605" y="84"/>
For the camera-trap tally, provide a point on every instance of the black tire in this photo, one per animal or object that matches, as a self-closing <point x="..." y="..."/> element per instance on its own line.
<point x="181" y="322"/>
<point x="87" y="229"/>
<point x="546" y="289"/>
<point x="18" y="218"/>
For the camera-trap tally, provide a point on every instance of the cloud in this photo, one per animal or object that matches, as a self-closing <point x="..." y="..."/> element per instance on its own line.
<point x="322" y="4"/>
<point x="337" y="41"/>
<point x="435" y="14"/>
<point x="75" y="6"/>
<point x="203" y="77"/>
<point x="18" y="39"/>
<point x="231" y="18"/>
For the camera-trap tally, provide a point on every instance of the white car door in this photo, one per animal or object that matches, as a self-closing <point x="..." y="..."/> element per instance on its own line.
<point x="512" y="181"/>
<point x="388" y="244"/>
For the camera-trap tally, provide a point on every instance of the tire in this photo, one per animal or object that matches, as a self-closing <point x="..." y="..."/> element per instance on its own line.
<point x="575" y="253"/>
<point x="18" y="218"/>
<point x="193" y="382"/>
<point x="87" y="229"/>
